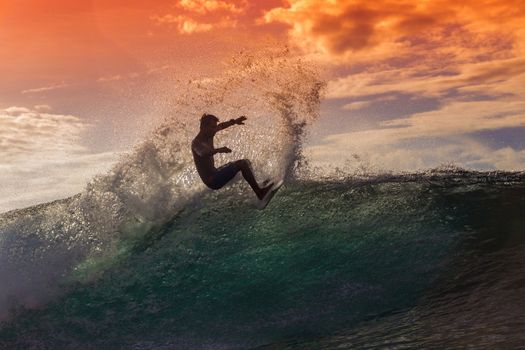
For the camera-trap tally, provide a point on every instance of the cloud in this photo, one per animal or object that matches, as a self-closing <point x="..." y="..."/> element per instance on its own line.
<point x="42" y="108"/>
<point x="479" y="97"/>
<point x="45" y="88"/>
<point x="357" y="105"/>
<point x="462" y="64"/>
<point x="415" y="155"/>
<point x="134" y="75"/>
<point x="482" y="77"/>
<point x="459" y="118"/>
<point x="110" y="78"/>
<point x="24" y="132"/>
<point x="198" y="16"/>
<point x="208" y="6"/>
<point x="366" y="30"/>
<point x="451" y="120"/>
<point x="429" y="139"/>
<point x="42" y="157"/>
<point x="27" y="183"/>
<point x="185" y="24"/>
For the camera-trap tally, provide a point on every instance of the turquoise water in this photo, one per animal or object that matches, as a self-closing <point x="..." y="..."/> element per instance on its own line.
<point x="411" y="261"/>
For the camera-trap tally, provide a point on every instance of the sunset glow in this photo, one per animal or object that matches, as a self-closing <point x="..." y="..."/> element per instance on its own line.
<point x="410" y="84"/>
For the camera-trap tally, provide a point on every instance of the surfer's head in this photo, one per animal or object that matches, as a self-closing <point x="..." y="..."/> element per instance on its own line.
<point x="209" y="122"/>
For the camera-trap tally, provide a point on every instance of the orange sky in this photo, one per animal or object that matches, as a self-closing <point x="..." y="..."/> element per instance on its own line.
<point x="52" y="43"/>
<point x="53" y="40"/>
<point x="408" y="81"/>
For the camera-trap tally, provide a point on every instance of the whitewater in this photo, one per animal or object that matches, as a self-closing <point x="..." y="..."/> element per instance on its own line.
<point x="147" y="258"/>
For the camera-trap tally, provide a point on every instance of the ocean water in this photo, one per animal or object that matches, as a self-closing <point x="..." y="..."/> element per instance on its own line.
<point x="147" y="258"/>
<point x="424" y="261"/>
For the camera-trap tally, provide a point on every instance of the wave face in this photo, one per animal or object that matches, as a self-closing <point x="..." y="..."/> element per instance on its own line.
<point x="431" y="260"/>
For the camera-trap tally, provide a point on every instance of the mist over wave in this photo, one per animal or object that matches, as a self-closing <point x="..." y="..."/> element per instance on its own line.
<point x="44" y="247"/>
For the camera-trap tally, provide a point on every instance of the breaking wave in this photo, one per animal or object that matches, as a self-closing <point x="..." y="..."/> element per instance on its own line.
<point x="43" y="246"/>
<point x="147" y="258"/>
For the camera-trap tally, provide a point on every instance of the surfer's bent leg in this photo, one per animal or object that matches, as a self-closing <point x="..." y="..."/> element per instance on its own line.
<point x="247" y="173"/>
<point x="223" y="175"/>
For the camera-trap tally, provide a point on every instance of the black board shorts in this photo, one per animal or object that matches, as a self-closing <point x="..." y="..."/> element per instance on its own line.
<point x="223" y="175"/>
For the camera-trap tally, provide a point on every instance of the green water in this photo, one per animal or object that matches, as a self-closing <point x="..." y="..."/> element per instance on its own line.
<point x="323" y="258"/>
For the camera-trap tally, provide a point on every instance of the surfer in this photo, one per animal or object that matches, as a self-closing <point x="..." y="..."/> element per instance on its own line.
<point x="203" y="151"/>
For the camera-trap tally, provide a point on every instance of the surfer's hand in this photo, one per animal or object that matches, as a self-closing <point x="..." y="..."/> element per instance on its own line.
<point x="240" y="120"/>
<point x="224" y="150"/>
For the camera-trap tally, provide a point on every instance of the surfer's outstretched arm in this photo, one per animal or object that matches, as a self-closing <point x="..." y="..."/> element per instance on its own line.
<point x="231" y="122"/>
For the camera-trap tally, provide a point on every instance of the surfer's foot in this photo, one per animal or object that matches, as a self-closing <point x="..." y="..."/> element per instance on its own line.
<point x="263" y="191"/>
<point x="266" y="183"/>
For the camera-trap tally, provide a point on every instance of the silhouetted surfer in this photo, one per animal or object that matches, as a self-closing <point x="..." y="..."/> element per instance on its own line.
<point x="203" y="151"/>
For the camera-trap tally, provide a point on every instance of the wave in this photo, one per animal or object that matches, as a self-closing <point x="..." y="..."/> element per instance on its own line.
<point x="44" y="247"/>
<point x="341" y="263"/>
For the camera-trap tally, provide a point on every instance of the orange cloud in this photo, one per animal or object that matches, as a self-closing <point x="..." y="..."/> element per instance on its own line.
<point x="498" y="77"/>
<point x="203" y="6"/>
<point x="361" y="29"/>
<point x="197" y="16"/>
<point x="467" y="57"/>
<point x="45" y="88"/>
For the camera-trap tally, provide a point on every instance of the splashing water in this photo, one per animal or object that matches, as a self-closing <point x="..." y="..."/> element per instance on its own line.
<point x="41" y="246"/>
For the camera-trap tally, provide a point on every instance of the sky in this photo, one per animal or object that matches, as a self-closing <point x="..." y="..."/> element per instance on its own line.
<point x="411" y="85"/>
